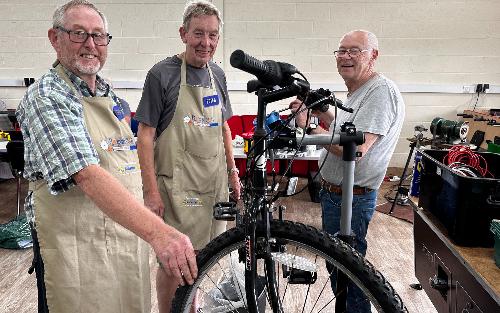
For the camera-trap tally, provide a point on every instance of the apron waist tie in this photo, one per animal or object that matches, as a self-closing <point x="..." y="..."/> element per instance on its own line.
<point x="37" y="266"/>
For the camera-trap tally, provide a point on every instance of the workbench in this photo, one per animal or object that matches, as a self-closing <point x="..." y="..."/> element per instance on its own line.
<point x="456" y="279"/>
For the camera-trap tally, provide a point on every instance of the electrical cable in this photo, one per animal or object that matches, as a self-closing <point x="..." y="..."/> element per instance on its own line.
<point x="403" y="199"/>
<point x="466" y="161"/>
<point x="250" y="168"/>
<point x="477" y="99"/>
<point x="464" y="169"/>
<point x="300" y="144"/>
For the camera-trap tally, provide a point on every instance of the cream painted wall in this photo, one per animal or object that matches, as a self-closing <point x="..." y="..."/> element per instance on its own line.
<point x="431" y="48"/>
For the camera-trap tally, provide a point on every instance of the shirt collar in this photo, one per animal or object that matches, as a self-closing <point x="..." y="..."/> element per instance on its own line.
<point x="102" y="88"/>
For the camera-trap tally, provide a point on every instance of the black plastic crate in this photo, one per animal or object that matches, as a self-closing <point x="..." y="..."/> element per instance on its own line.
<point x="464" y="205"/>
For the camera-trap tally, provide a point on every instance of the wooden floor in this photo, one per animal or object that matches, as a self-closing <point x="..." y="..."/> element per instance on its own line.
<point x="390" y="249"/>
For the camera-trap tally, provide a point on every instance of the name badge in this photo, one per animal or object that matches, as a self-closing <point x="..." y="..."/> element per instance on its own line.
<point x="128" y="168"/>
<point x="118" y="112"/>
<point x="210" y="101"/>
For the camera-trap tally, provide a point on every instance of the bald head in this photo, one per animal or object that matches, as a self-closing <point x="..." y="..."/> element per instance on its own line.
<point x="358" y="51"/>
<point x="368" y="38"/>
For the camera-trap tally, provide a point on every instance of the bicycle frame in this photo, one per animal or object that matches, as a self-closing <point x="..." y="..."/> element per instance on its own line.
<point x="349" y="139"/>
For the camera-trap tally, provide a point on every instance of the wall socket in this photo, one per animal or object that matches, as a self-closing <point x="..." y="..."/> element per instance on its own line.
<point x="475" y="88"/>
<point x="467" y="89"/>
<point x="481" y="88"/>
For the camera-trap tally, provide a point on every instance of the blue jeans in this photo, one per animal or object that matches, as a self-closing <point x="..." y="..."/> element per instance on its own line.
<point x="363" y="207"/>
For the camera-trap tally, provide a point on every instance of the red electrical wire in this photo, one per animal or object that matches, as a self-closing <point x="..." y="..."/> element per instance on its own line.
<point x="464" y="155"/>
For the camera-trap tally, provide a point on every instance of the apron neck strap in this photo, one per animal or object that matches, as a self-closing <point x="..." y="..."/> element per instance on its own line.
<point x="184" y="71"/>
<point x="62" y="73"/>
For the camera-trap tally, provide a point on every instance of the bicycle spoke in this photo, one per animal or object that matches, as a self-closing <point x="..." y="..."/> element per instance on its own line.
<point x="217" y="299"/>
<point x="320" y="293"/>
<point x="238" y="287"/>
<point x="305" y="300"/>
<point x="206" y="294"/>
<point x="276" y="286"/>
<point x="284" y="292"/>
<point x="300" y="290"/>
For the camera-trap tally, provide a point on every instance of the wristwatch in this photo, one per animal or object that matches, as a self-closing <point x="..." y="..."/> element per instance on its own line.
<point x="311" y="127"/>
<point x="233" y="170"/>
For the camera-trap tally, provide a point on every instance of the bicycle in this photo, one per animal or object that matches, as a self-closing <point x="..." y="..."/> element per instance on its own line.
<point x="283" y="261"/>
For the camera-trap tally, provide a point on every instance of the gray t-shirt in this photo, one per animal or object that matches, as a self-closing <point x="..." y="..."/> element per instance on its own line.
<point x="161" y="90"/>
<point x="378" y="109"/>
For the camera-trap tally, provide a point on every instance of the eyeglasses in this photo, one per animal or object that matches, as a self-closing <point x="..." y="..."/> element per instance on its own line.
<point x="352" y="52"/>
<point x="80" y="36"/>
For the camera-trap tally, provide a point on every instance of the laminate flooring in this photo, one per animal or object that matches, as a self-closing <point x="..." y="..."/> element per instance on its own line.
<point x="390" y="249"/>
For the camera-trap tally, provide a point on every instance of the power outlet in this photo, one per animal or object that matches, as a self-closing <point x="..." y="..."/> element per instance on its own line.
<point x="467" y="89"/>
<point x="481" y="88"/>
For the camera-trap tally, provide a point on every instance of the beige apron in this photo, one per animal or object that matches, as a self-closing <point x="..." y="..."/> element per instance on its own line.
<point x="93" y="264"/>
<point x="190" y="163"/>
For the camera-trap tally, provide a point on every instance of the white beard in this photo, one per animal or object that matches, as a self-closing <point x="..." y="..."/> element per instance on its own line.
<point x="88" y="69"/>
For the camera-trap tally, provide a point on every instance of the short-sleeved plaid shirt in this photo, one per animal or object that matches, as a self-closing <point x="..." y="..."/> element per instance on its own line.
<point x="56" y="142"/>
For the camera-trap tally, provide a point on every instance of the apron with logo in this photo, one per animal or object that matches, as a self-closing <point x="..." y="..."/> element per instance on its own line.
<point x="93" y="264"/>
<point x="190" y="163"/>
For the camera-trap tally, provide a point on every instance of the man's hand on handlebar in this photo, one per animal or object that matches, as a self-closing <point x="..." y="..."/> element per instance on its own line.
<point x="301" y="117"/>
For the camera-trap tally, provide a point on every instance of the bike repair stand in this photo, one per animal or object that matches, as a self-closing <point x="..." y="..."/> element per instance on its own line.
<point x="414" y="142"/>
<point x="349" y="140"/>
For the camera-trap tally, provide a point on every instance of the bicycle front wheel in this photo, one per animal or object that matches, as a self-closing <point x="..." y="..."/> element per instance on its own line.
<point x="304" y="261"/>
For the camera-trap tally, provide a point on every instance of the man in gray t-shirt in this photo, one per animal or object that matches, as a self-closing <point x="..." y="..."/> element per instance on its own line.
<point x="184" y="141"/>
<point x="156" y="108"/>
<point x="378" y="111"/>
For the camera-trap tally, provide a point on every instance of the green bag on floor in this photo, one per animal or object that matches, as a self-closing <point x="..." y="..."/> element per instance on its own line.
<point x="16" y="234"/>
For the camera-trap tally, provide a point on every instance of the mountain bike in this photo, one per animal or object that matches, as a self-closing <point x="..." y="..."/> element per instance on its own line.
<point x="269" y="264"/>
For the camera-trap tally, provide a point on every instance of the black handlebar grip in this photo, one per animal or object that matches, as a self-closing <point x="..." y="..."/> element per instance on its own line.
<point x="268" y="72"/>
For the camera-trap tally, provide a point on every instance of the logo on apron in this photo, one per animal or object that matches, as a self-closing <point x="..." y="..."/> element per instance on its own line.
<point x="200" y="121"/>
<point x="192" y="202"/>
<point x="118" y="144"/>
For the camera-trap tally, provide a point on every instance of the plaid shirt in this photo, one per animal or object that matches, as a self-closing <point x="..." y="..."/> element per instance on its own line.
<point x="56" y="142"/>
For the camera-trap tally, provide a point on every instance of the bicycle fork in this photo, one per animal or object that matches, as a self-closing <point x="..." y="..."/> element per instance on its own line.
<point x="256" y="248"/>
<point x="250" y="267"/>
<point x="253" y="248"/>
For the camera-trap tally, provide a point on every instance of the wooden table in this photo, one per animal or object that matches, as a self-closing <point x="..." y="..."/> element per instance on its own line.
<point x="456" y="279"/>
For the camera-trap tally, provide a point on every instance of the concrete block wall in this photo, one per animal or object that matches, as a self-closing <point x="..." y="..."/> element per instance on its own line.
<point x="431" y="48"/>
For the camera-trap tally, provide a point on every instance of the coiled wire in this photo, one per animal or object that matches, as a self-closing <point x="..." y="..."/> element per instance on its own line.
<point x="463" y="160"/>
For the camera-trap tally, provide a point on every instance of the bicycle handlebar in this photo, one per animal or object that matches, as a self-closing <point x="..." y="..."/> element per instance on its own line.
<point x="348" y="138"/>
